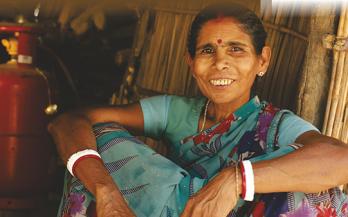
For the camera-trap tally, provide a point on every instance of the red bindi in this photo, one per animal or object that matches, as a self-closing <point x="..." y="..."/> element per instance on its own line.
<point x="219" y="41"/>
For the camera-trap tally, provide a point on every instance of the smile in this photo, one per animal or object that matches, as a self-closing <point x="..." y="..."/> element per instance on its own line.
<point x="221" y="82"/>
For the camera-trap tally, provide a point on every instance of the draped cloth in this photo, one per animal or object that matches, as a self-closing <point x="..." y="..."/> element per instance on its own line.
<point x="156" y="186"/>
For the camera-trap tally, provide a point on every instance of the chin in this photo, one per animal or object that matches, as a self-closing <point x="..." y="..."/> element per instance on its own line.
<point x="227" y="99"/>
<point x="222" y="100"/>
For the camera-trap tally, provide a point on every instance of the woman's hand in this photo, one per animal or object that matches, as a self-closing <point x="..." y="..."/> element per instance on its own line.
<point x="110" y="203"/>
<point x="217" y="198"/>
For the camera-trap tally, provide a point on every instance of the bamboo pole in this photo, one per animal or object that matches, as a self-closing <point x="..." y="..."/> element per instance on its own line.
<point x="345" y="126"/>
<point x="342" y="102"/>
<point x="343" y="91"/>
<point x="326" y="129"/>
<point x="328" y="122"/>
<point x="336" y="86"/>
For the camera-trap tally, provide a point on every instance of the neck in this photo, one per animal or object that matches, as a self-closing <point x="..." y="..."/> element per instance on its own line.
<point x="220" y="111"/>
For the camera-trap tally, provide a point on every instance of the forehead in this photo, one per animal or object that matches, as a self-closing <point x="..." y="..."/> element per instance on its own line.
<point x="224" y="29"/>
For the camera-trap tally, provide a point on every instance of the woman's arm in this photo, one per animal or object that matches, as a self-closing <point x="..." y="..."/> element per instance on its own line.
<point x="72" y="132"/>
<point x="319" y="165"/>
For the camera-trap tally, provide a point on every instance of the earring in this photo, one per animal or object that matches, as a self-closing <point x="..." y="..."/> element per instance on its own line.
<point x="261" y="74"/>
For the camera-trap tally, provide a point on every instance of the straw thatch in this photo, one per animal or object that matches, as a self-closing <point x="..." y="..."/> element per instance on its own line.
<point x="287" y="36"/>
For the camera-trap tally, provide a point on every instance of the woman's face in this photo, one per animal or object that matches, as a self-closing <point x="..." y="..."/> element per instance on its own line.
<point x="225" y="64"/>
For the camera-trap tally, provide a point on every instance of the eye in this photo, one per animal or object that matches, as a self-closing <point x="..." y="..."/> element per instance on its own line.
<point x="236" y="49"/>
<point x="206" y="51"/>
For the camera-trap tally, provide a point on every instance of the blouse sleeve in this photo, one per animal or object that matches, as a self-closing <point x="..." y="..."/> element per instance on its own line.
<point x="291" y="127"/>
<point x="155" y="112"/>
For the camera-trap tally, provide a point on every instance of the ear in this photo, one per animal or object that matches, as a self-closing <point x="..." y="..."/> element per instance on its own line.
<point x="189" y="59"/>
<point x="265" y="58"/>
<point x="189" y="62"/>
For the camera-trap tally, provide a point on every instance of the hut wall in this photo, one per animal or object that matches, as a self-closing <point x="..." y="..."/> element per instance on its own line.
<point x="287" y="36"/>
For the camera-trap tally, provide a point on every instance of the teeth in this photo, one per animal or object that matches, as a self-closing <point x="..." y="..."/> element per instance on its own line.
<point x="221" y="82"/>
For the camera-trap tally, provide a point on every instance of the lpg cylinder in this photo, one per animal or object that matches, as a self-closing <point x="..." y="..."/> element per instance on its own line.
<point x="25" y="147"/>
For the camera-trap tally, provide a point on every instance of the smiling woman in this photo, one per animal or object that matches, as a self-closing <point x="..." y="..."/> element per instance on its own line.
<point x="225" y="71"/>
<point x="230" y="154"/>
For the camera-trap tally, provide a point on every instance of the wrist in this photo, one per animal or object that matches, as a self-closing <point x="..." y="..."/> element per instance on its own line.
<point x="108" y="192"/>
<point x="79" y="156"/>
<point x="100" y="177"/>
<point x="238" y="180"/>
<point x="231" y="180"/>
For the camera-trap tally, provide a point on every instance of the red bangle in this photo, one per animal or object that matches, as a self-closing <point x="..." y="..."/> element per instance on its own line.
<point x="248" y="182"/>
<point x="84" y="157"/>
<point x="242" y="171"/>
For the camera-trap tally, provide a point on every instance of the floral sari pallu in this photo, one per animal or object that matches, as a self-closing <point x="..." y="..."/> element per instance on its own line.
<point x="155" y="186"/>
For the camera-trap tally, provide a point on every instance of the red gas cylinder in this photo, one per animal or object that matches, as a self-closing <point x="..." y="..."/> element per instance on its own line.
<point x="25" y="148"/>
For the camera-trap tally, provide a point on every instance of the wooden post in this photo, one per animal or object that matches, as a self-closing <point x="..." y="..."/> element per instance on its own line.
<point x="315" y="79"/>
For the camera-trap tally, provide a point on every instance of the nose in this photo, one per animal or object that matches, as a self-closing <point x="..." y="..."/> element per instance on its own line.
<point x="221" y="61"/>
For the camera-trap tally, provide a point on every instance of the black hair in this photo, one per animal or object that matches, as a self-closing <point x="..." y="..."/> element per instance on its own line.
<point x="248" y="20"/>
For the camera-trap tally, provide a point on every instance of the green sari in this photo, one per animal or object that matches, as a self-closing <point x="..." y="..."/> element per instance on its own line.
<point x="156" y="186"/>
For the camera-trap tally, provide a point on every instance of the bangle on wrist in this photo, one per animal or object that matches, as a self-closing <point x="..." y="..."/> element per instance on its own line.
<point x="243" y="179"/>
<point x="237" y="184"/>
<point x="77" y="157"/>
<point x="248" y="185"/>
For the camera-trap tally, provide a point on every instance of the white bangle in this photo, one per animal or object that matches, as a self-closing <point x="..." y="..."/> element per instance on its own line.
<point x="76" y="156"/>
<point x="249" y="181"/>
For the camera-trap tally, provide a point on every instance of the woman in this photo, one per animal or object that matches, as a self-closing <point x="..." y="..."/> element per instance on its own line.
<point x="209" y="137"/>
